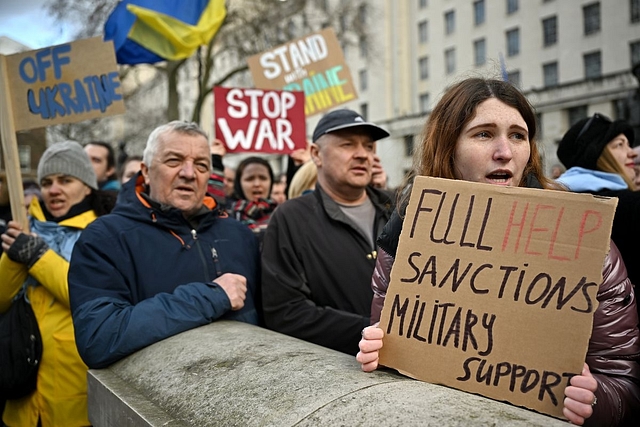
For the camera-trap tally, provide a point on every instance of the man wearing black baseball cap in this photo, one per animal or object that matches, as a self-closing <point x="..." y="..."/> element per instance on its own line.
<point x="319" y="250"/>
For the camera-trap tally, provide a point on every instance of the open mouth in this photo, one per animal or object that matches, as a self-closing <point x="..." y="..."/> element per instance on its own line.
<point x="500" y="177"/>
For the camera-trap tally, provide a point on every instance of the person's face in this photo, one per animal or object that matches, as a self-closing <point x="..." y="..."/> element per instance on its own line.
<point x="255" y="181"/>
<point x="229" y="179"/>
<point x="61" y="192"/>
<point x="130" y="169"/>
<point x="98" y="155"/>
<point x="623" y="153"/>
<point x="277" y="193"/>
<point x="493" y="147"/>
<point x="344" y="159"/>
<point x="636" y="150"/>
<point x="179" y="171"/>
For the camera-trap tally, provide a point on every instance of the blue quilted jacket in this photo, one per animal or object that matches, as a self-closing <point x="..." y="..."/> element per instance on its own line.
<point x="142" y="274"/>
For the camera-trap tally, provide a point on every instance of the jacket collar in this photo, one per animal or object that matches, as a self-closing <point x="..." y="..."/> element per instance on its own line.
<point x="585" y="180"/>
<point x="80" y="221"/>
<point x="381" y="202"/>
<point x="133" y="201"/>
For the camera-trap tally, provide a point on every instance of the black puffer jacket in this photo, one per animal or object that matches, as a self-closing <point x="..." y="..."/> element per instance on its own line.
<point x="614" y="348"/>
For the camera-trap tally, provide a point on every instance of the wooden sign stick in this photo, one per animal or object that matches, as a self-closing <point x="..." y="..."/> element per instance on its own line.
<point x="10" y="150"/>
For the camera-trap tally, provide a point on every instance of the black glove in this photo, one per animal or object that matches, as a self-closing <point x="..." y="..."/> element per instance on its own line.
<point x="27" y="249"/>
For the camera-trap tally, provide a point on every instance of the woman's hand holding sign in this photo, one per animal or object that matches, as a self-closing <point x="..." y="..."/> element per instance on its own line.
<point x="580" y="397"/>
<point x="370" y="344"/>
<point x="580" y="394"/>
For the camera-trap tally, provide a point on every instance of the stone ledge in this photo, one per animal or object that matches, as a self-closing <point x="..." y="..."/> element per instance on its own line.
<point x="234" y="374"/>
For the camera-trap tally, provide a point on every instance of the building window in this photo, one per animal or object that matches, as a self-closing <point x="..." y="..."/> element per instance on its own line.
<point x="363" y="14"/>
<point x="422" y="32"/>
<point x="576" y="113"/>
<point x="24" y="157"/>
<point x="550" y="72"/>
<point x="621" y="110"/>
<point x="514" y="77"/>
<point x="480" y="52"/>
<point x="408" y="145"/>
<point x="592" y="65"/>
<point x="423" y="68"/>
<point x="512" y="6"/>
<point x="635" y="52"/>
<point x="591" y="14"/>
<point x="634" y="9"/>
<point x="422" y="4"/>
<point x="539" y="126"/>
<point x="449" y="22"/>
<point x="450" y="60"/>
<point x="513" y="42"/>
<point x="550" y="31"/>
<point x="364" y="84"/>
<point x="291" y="29"/>
<point x="478" y="12"/>
<point x="424" y="103"/>
<point x="343" y="23"/>
<point x="364" y="111"/>
<point x="363" y="47"/>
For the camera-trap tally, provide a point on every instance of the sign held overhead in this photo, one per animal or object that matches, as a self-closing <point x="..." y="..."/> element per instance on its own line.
<point x="313" y="64"/>
<point x="268" y="121"/>
<point x="66" y="83"/>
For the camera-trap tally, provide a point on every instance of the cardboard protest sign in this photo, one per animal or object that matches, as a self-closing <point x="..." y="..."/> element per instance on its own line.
<point x="59" y="84"/>
<point x="314" y="64"/>
<point x="64" y="84"/>
<point x="493" y="289"/>
<point x="267" y="121"/>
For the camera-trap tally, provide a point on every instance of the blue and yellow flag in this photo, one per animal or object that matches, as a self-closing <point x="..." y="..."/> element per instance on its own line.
<point x="149" y="31"/>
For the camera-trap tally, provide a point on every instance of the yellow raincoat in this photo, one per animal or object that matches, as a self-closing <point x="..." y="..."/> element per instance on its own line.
<point x="61" y="395"/>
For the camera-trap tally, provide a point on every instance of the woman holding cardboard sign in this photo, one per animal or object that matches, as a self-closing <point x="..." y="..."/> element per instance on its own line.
<point x="484" y="131"/>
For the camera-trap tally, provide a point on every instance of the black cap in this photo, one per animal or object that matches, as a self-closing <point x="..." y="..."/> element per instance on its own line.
<point x="344" y="119"/>
<point x="584" y="142"/>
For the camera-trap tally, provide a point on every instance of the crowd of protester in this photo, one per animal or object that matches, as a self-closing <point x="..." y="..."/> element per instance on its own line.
<point x="307" y="252"/>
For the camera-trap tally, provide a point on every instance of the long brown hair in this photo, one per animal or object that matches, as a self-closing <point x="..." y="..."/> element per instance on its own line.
<point x="434" y="156"/>
<point x="607" y="163"/>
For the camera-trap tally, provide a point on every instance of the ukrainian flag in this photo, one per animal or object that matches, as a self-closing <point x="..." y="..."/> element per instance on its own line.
<point x="149" y="31"/>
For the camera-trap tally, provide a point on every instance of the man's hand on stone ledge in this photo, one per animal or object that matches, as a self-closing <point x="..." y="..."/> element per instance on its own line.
<point x="235" y="286"/>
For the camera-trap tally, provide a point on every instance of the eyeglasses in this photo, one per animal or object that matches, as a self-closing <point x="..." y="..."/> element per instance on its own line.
<point x="586" y="126"/>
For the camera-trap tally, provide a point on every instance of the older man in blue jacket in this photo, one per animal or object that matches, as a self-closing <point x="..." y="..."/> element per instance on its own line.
<point x="166" y="260"/>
